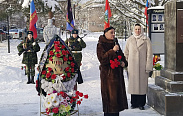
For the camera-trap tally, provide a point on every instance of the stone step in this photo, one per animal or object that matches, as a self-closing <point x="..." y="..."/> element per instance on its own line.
<point x="168" y="85"/>
<point x="165" y="103"/>
<point x="172" y="75"/>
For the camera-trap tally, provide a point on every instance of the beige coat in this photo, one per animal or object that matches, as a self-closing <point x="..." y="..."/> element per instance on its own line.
<point x="140" y="63"/>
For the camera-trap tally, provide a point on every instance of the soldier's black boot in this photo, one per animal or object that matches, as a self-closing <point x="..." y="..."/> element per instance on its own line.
<point x="32" y="80"/>
<point x="28" y="82"/>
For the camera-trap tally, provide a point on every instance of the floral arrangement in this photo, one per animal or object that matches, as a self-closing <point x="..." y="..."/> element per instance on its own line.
<point x="157" y="65"/>
<point x="60" y="104"/>
<point x="60" y="56"/>
<point x="116" y="62"/>
<point x="58" y="78"/>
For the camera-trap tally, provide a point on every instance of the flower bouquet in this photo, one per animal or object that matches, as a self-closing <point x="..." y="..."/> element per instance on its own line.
<point x="60" y="104"/>
<point x="157" y="65"/>
<point x="116" y="62"/>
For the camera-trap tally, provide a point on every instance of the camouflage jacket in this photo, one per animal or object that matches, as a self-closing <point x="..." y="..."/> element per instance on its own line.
<point x="76" y="44"/>
<point x="29" y="52"/>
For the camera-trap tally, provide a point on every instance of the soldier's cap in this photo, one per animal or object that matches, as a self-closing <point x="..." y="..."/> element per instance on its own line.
<point x="74" y="31"/>
<point x="109" y="28"/>
<point x="30" y="32"/>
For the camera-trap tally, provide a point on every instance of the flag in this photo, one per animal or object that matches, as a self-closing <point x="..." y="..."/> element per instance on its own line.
<point x="33" y="19"/>
<point x="107" y="15"/>
<point x="69" y="17"/>
<point x="146" y="12"/>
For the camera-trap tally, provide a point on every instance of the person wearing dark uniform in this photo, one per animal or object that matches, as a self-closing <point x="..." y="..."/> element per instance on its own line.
<point x="76" y="44"/>
<point x="29" y="47"/>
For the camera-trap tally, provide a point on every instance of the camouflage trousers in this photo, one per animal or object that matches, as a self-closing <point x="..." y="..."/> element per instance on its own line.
<point x="30" y="69"/>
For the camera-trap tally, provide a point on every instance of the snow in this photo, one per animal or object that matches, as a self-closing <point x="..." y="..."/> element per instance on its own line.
<point x="50" y="3"/>
<point x="1" y="1"/>
<point x="21" y="99"/>
<point x="156" y="7"/>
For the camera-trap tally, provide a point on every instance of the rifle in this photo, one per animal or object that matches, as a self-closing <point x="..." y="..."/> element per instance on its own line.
<point x="28" y="48"/>
<point x="74" y="44"/>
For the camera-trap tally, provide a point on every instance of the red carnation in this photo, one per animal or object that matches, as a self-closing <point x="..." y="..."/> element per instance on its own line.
<point x="50" y="58"/>
<point x="71" y="101"/>
<point x="119" y="57"/>
<point x="64" y="52"/>
<point x="115" y="60"/>
<point x="72" y="70"/>
<point x="53" y="76"/>
<point x="69" y="74"/>
<point x="63" y="46"/>
<point x="79" y="102"/>
<point x="48" y="75"/>
<point x="47" y="110"/>
<point x="63" y="77"/>
<point x="55" y="110"/>
<point x="58" y="55"/>
<point x="57" y="42"/>
<point x="77" y="92"/>
<point x="70" y="58"/>
<point x="51" y="53"/>
<point x="72" y="64"/>
<point x="49" y="69"/>
<point x="43" y="72"/>
<point x="86" y="96"/>
<point x="81" y="94"/>
<point x="67" y="69"/>
<point x="57" y="48"/>
<point x="65" y="59"/>
<point x="67" y="51"/>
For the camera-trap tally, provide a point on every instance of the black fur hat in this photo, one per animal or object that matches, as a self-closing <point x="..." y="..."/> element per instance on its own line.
<point x="74" y="31"/>
<point x="109" y="28"/>
<point x="30" y="32"/>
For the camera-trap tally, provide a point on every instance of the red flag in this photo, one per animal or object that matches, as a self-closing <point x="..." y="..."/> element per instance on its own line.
<point x="107" y="15"/>
<point x="33" y="19"/>
<point x="146" y="12"/>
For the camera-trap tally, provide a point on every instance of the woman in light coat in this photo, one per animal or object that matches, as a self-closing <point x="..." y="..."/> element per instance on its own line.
<point x="138" y="52"/>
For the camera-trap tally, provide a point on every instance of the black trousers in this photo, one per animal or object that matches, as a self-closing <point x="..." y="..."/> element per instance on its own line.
<point x="138" y="100"/>
<point x="111" y="114"/>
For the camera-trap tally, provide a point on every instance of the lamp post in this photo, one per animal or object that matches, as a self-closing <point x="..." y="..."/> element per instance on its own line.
<point x="8" y="10"/>
<point x="7" y="36"/>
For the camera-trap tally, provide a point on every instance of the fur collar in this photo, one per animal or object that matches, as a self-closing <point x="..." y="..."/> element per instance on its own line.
<point x="103" y="39"/>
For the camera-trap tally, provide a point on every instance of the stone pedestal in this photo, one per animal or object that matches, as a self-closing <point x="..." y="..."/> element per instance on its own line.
<point x="166" y="96"/>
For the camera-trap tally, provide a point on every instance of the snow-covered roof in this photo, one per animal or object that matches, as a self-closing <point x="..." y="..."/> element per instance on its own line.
<point x="156" y="7"/>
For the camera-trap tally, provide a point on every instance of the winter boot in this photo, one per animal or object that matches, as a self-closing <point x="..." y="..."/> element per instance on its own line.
<point x="32" y="80"/>
<point x="28" y="82"/>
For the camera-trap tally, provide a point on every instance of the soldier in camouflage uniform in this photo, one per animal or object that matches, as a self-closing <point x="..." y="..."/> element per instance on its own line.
<point x="76" y="44"/>
<point x="29" y="47"/>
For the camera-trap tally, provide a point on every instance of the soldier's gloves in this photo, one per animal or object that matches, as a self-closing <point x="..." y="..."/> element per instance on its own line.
<point x="34" y="43"/>
<point x="79" y="39"/>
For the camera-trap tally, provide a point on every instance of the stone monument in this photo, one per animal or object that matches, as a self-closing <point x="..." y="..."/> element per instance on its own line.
<point x="166" y="96"/>
<point x="50" y="30"/>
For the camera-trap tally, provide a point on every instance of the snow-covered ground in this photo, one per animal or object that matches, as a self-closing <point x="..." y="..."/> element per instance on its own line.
<point x="20" y="99"/>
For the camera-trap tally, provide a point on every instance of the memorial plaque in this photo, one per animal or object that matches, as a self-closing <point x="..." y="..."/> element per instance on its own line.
<point x="179" y="25"/>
